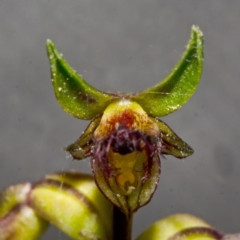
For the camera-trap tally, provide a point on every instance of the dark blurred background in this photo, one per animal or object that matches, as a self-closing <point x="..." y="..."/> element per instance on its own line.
<point x="125" y="45"/>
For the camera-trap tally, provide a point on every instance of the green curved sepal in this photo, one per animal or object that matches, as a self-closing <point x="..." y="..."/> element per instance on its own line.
<point x="176" y="89"/>
<point x="75" y="95"/>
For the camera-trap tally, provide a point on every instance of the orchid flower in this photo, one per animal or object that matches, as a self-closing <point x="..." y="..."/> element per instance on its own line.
<point x="125" y="138"/>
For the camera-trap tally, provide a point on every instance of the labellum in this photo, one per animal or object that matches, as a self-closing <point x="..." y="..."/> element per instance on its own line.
<point x="125" y="155"/>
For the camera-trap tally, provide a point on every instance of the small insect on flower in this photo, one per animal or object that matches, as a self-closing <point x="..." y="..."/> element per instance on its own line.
<point x="125" y="137"/>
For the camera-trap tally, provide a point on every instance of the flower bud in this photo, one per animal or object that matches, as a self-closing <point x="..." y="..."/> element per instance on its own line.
<point x="18" y="221"/>
<point x="73" y="203"/>
<point x="180" y="227"/>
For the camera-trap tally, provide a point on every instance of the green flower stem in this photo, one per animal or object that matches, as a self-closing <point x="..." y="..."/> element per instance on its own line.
<point x="122" y="225"/>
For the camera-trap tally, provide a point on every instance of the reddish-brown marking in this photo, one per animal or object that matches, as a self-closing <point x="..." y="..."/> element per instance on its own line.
<point x="126" y="119"/>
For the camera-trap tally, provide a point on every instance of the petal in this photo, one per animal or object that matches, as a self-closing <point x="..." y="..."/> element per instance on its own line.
<point x="82" y="147"/>
<point x="76" y="96"/>
<point x="172" y="144"/>
<point x="176" y="89"/>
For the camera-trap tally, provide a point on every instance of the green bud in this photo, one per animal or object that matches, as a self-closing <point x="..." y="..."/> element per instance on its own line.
<point x="18" y="221"/>
<point x="73" y="203"/>
<point x="180" y="227"/>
